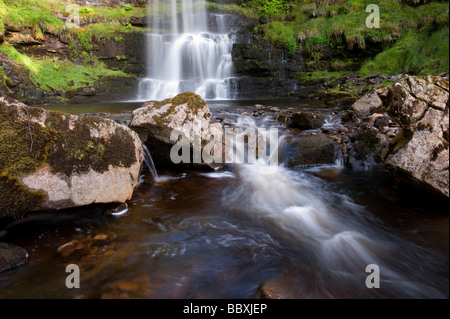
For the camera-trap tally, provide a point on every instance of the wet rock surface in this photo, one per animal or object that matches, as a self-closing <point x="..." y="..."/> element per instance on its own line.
<point x="309" y="150"/>
<point x="184" y="120"/>
<point x="53" y="160"/>
<point x="11" y="256"/>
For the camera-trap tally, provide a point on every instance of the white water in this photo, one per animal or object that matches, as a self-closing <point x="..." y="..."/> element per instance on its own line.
<point x="150" y="164"/>
<point x="341" y="237"/>
<point x="182" y="55"/>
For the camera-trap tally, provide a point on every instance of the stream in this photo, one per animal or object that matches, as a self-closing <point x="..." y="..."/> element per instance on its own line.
<point x="222" y="234"/>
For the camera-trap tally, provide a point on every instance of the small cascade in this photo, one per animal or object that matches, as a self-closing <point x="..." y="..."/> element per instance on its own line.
<point x="149" y="162"/>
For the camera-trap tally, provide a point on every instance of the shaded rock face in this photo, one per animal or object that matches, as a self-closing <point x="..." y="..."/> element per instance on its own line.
<point x="306" y="120"/>
<point x="420" y="151"/>
<point x="183" y="121"/>
<point x="52" y="160"/>
<point x="308" y="150"/>
<point x="367" y="144"/>
<point x="11" y="256"/>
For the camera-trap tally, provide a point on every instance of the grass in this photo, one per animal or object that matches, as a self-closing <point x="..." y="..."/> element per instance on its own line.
<point x="108" y="14"/>
<point x="233" y="9"/>
<point x="41" y="17"/>
<point x="416" y="53"/>
<point x="59" y="75"/>
<point x="318" y="75"/>
<point x="34" y="14"/>
<point x="414" y="38"/>
<point x="100" y="32"/>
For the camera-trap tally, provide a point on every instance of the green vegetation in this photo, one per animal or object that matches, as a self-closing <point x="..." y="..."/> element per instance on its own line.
<point x="270" y="8"/>
<point x="412" y="39"/>
<point x="59" y="75"/>
<point x="318" y="75"/>
<point x="291" y="45"/>
<point x="4" y="80"/>
<point x="34" y="18"/>
<point x="33" y="14"/>
<point x="233" y="9"/>
<point x="415" y="53"/>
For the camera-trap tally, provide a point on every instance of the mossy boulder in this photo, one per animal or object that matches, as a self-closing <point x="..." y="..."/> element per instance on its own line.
<point x="53" y="160"/>
<point x="182" y="120"/>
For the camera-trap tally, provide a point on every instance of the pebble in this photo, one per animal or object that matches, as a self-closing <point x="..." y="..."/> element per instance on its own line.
<point x="66" y="249"/>
<point x="100" y="237"/>
<point x="127" y="286"/>
<point x="275" y="109"/>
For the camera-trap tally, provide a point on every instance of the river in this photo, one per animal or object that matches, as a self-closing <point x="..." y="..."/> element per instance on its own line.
<point x="222" y="234"/>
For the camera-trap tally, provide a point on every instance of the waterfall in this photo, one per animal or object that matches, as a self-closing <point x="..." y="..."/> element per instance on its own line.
<point x="149" y="162"/>
<point x="183" y="55"/>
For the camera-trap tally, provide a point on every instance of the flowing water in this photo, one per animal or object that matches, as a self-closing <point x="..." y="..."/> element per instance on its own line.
<point x="222" y="234"/>
<point x="184" y="55"/>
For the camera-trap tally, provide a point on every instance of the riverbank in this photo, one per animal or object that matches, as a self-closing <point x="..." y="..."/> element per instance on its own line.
<point x="296" y="50"/>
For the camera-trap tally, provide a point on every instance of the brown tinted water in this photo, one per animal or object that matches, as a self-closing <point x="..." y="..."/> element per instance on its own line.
<point x="223" y="234"/>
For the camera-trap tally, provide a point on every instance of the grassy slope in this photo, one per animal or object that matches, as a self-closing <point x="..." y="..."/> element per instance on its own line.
<point x="414" y="39"/>
<point x="40" y="16"/>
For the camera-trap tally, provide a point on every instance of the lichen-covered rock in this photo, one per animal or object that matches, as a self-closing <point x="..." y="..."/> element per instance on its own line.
<point x="183" y="120"/>
<point x="11" y="256"/>
<point x="420" y="151"/>
<point x="53" y="160"/>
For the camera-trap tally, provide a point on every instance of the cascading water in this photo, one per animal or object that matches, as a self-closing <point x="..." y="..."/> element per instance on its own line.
<point x="183" y="55"/>
<point x="149" y="162"/>
<point x="337" y="234"/>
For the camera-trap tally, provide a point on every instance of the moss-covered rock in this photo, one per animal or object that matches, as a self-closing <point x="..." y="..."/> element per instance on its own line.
<point x="53" y="160"/>
<point x="187" y="114"/>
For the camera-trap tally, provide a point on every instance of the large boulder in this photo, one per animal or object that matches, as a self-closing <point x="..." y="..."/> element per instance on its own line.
<point x="53" y="160"/>
<point x="179" y="133"/>
<point x="420" y="151"/>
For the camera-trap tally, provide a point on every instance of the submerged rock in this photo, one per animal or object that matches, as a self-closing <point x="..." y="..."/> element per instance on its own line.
<point x="419" y="153"/>
<point x="53" y="160"/>
<point x="11" y="256"/>
<point x="182" y="125"/>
